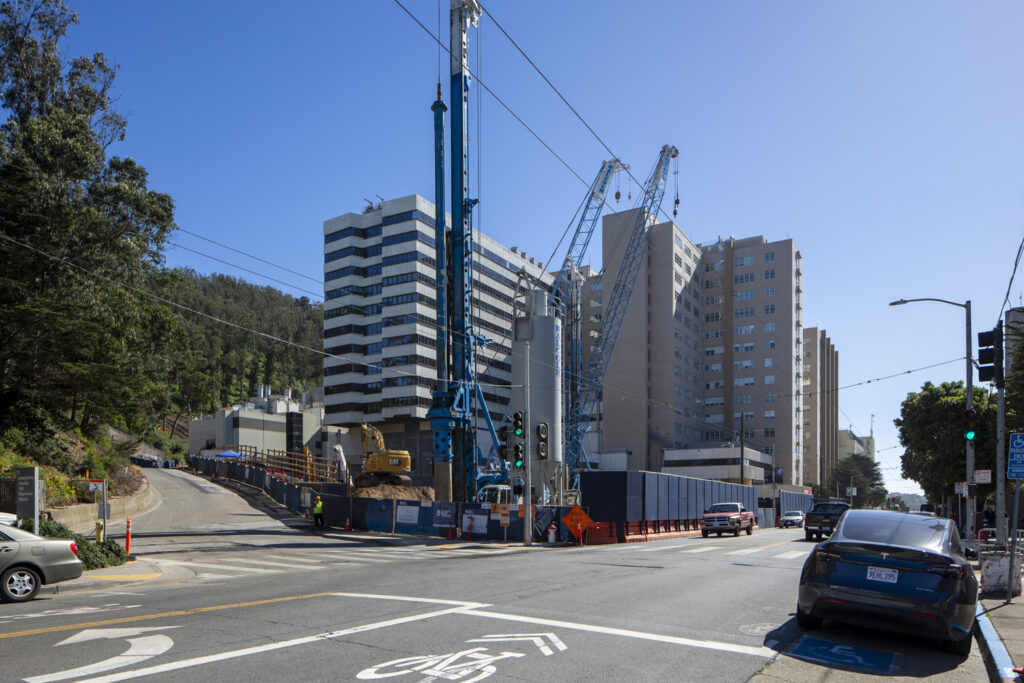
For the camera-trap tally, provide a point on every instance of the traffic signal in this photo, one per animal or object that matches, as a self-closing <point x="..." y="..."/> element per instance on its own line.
<point x="517" y="423"/>
<point x="970" y="428"/>
<point x="990" y="355"/>
<point x="517" y="455"/>
<point x="542" y="440"/>
<point x="503" y="442"/>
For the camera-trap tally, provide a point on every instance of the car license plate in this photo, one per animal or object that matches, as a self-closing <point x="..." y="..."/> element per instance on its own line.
<point x="882" y="574"/>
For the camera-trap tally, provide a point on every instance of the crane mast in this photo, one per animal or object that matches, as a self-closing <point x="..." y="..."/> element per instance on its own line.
<point x="452" y="407"/>
<point x="585" y="403"/>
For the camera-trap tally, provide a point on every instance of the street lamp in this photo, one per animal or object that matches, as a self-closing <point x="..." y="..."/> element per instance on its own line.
<point x="969" y="401"/>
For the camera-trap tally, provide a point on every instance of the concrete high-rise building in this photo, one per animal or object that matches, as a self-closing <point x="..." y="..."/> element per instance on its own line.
<point x="380" y="312"/>
<point x="652" y="387"/>
<point x="851" y="444"/>
<point x="820" y="406"/>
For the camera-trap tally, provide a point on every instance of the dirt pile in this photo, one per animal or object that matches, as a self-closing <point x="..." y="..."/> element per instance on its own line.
<point x="390" y="492"/>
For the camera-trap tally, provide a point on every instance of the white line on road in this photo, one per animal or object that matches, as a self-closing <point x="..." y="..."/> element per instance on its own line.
<point x="300" y="560"/>
<point x="353" y="557"/>
<point x="745" y="551"/>
<point x="702" y="549"/>
<point x="791" y="554"/>
<point x="266" y="562"/>
<point x="674" y="640"/>
<point x="210" y="565"/>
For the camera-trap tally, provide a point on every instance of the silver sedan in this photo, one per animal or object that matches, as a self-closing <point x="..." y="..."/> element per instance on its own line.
<point x="28" y="561"/>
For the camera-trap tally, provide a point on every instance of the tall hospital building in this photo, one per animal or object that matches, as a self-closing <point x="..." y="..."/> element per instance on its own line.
<point x="712" y="349"/>
<point x="380" y="312"/>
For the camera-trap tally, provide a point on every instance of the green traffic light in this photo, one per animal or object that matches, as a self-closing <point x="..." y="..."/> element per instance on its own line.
<point x="519" y="431"/>
<point x="969" y="435"/>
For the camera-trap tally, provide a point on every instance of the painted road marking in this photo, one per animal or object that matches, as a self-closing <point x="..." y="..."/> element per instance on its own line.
<point x="791" y="554"/>
<point x="351" y="557"/>
<point x="68" y="611"/>
<point x="745" y="551"/>
<point x="211" y="565"/>
<point x="454" y="607"/>
<point x="267" y="563"/>
<point x="127" y="577"/>
<point x="300" y="560"/>
<point x="702" y="549"/>
<point x="535" y="638"/>
<point x="139" y="650"/>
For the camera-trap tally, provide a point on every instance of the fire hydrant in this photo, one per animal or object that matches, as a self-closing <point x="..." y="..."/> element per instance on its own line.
<point x="552" y="532"/>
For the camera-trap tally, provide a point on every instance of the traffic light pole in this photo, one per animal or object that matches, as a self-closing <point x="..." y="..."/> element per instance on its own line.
<point x="970" y="442"/>
<point x="527" y="463"/>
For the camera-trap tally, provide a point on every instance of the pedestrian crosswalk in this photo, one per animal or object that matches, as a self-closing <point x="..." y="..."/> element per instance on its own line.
<point x="765" y="550"/>
<point x="252" y="562"/>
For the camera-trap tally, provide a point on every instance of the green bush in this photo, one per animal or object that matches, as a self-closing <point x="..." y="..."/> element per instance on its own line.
<point x="93" y="555"/>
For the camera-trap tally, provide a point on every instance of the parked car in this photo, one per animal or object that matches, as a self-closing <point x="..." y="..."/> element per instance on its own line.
<point x="792" y="518"/>
<point x="895" y="571"/>
<point x="722" y="517"/>
<point x="7" y="519"/>
<point x="28" y="561"/>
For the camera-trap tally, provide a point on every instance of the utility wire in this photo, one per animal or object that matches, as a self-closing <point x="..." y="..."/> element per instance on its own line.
<point x="248" y="255"/>
<point x="1006" y="299"/>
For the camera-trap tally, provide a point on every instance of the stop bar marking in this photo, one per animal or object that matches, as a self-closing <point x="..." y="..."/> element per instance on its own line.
<point x="472" y="609"/>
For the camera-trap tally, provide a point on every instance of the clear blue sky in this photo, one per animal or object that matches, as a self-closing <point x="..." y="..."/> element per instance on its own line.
<point x="884" y="138"/>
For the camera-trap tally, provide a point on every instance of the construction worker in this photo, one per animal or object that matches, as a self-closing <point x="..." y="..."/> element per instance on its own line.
<point x="318" y="512"/>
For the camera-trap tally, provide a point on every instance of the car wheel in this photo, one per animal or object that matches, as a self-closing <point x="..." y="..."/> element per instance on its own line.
<point x="736" y="531"/>
<point x="19" y="584"/>
<point x="719" y="533"/>
<point x="961" y="648"/>
<point x="806" y="620"/>
<point x="807" y="534"/>
<point x="750" y="529"/>
<point x="704" y="533"/>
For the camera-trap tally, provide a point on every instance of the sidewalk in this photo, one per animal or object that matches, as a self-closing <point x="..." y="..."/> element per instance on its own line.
<point x="1001" y="636"/>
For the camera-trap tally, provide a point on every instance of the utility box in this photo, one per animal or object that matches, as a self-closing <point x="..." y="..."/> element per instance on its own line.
<point x="995" y="571"/>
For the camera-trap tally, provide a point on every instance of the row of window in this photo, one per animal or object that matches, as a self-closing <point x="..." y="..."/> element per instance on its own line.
<point x="719" y="418"/>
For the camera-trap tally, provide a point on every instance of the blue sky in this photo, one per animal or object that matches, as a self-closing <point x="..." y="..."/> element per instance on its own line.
<point x="884" y="138"/>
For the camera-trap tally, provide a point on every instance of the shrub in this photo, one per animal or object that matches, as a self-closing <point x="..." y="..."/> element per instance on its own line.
<point x="93" y="555"/>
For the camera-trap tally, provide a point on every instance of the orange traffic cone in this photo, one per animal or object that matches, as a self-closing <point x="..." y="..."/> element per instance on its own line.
<point x="348" y="524"/>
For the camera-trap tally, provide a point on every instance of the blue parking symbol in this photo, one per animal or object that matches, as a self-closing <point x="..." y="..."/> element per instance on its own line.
<point x="1015" y="464"/>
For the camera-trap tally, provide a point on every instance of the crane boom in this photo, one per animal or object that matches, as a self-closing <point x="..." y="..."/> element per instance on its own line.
<point x="593" y="377"/>
<point x="595" y="199"/>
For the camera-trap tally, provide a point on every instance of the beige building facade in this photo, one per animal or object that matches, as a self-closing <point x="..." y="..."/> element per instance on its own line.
<point x="820" y="406"/>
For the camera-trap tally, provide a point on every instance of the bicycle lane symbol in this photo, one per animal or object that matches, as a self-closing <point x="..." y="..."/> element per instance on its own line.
<point x="453" y="666"/>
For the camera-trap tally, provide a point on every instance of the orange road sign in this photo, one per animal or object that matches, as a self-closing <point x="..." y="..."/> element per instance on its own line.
<point x="577" y="521"/>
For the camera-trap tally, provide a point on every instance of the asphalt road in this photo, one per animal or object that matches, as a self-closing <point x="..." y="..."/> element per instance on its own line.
<point x="244" y="595"/>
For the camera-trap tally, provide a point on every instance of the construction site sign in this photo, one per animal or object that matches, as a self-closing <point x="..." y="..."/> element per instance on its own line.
<point x="503" y="513"/>
<point x="577" y="521"/>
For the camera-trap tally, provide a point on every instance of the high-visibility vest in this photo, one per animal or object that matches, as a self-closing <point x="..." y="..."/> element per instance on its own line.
<point x="319" y="507"/>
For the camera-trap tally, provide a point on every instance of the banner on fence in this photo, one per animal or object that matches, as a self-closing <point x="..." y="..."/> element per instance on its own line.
<point x="444" y="514"/>
<point x="407" y="513"/>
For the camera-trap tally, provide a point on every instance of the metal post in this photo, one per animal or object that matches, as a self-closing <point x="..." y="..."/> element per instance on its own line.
<point x="104" y="508"/>
<point x="1013" y="542"/>
<point x="1001" y="467"/>
<point x="970" y="442"/>
<point x="527" y="461"/>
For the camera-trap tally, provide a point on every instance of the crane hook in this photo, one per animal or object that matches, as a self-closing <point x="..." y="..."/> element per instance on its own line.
<point x="618" y="195"/>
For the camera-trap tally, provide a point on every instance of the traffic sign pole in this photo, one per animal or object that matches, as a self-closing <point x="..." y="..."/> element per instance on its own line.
<point x="1015" y="471"/>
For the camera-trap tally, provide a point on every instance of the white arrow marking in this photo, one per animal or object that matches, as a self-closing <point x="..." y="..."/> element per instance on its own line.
<point x="535" y="638"/>
<point x="139" y="650"/>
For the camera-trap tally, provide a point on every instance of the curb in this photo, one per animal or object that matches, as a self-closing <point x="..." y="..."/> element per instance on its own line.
<point x="997" y="659"/>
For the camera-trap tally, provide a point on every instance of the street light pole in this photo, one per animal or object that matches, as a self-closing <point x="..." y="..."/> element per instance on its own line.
<point x="969" y="401"/>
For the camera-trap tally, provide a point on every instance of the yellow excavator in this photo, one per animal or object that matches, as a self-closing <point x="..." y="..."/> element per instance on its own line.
<point x="382" y="465"/>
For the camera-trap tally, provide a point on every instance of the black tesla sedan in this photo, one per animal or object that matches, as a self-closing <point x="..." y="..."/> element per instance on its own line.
<point x="892" y="571"/>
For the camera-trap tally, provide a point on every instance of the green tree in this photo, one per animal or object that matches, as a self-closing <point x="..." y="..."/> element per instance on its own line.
<point x="861" y="472"/>
<point x="931" y="430"/>
<point x="82" y="235"/>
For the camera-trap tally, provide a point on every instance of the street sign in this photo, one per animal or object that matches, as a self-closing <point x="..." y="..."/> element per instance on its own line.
<point x="96" y="485"/>
<point x="982" y="476"/>
<point x="1015" y="465"/>
<point x="851" y="490"/>
<point x="503" y="513"/>
<point x="102" y="510"/>
<point x="577" y="521"/>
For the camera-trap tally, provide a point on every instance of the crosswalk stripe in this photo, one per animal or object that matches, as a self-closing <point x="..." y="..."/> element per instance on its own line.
<point x="745" y="551"/>
<point x="300" y="560"/>
<point x="210" y="565"/>
<point x="268" y="563"/>
<point x="349" y="557"/>
<point x="702" y="549"/>
<point x="790" y="555"/>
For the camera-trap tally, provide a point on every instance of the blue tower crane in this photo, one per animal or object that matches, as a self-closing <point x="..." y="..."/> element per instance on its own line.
<point x="458" y="394"/>
<point x="585" y="403"/>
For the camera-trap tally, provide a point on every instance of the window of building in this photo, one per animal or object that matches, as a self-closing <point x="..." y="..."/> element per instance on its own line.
<point x="743" y="312"/>
<point x="769" y="274"/>
<point x="769" y="362"/>
<point x="742" y="278"/>
<point x="686" y="250"/>
<point x="712" y="317"/>
<point x="714" y="334"/>
<point x="714" y="351"/>
<point x="715" y="418"/>
<point x="596" y="287"/>
<point x="677" y="240"/>
<point x="677" y="353"/>
<point x="678" y="259"/>
<point x="744" y="382"/>
<point x="743" y="364"/>
<point x="745" y="295"/>
<point x="769" y="256"/>
<point x="743" y="329"/>
<point x="689" y="270"/>
<point x="712" y="284"/>
<point x="743" y="348"/>
<point x="769" y="397"/>
<point x="769" y="414"/>
<point x="715" y="384"/>
<point x="769" y="309"/>
<point x="715" y="401"/>
<point x="769" y="291"/>
<point x="743" y="399"/>
<point x="769" y="379"/>
<point x="743" y="261"/>
<point x="770" y="344"/>
<point x="596" y="303"/>
<point x="769" y="327"/>
<point x="678" y="278"/>
<point x="678" y="371"/>
<point x="713" y="367"/>
<point x="769" y="432"/>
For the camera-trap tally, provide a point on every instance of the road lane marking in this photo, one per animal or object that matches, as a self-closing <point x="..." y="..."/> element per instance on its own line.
<point x="702" y="549"/>
<point x="270" y="647"/>
<point x="268" y="563"/>
<point x="791" y="554"/>
<point x="745" y="551"/>
<point x="351" y="557"/>
<point x="211" y="565"/>
<point x="607" y="630"/>
<point x="159" y="615"/>
<point x="300" y="560"/>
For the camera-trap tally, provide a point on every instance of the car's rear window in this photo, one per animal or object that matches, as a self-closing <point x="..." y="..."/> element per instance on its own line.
<point x="830" y="509"/>
<point x="792" y="513"/>
<point x="906" y="531"/>
<point x="17" y="534"/>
